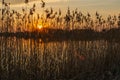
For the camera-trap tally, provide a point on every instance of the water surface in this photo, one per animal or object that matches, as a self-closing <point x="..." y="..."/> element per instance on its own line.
<point x="22" y="59"/>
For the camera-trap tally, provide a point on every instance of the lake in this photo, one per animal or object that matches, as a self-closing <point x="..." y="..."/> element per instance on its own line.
<point x="29" y="59"/>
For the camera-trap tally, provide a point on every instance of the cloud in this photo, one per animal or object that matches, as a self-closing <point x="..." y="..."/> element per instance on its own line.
<point x="22" y="1"/>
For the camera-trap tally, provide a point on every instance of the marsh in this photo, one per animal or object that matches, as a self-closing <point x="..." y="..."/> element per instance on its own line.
<point x="33" y="59"/>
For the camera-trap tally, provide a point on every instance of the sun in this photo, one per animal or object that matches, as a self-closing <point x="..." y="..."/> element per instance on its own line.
<point x="39" y="26"/>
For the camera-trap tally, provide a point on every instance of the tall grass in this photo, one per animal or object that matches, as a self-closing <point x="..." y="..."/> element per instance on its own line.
<point x="14" y="21"/>
<point x="29" y="59"/>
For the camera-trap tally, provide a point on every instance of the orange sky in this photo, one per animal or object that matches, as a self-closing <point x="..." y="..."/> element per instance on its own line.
<point x="105" y="7"/>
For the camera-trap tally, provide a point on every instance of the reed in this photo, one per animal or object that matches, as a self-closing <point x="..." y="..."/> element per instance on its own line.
<point x="27" y="21"/>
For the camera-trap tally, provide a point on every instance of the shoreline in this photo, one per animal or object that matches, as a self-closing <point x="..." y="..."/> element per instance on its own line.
<point x="60" y="35"/>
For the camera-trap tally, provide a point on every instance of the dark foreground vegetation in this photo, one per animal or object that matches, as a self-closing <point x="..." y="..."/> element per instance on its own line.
<point x="22" y="59"/>
<point x="47" y="34"/>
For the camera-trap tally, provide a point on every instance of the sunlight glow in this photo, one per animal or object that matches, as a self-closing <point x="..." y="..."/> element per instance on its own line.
<point x="39" y="26"/>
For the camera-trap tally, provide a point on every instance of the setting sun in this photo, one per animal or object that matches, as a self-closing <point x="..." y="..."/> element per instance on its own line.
<point x="39" y="26"/>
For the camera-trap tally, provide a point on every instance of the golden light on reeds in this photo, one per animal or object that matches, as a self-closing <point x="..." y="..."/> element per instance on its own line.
<point x="29" y="19"/>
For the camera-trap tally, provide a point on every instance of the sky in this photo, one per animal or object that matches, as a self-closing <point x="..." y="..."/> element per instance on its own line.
<point x="105" y="7"/>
